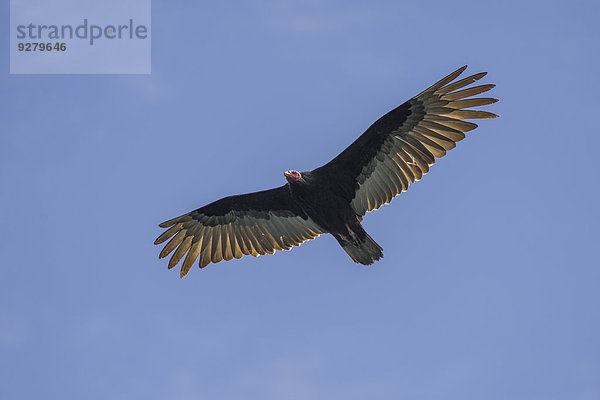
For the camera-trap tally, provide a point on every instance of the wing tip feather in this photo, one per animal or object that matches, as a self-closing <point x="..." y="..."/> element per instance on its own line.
<point x="168" y="223"/>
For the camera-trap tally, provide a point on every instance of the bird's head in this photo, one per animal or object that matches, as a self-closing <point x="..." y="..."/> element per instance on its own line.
<point x="292" y="176"/>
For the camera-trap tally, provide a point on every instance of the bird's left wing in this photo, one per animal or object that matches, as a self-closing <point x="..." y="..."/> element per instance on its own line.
<point x="249" y="224"/>
<point x="399" y="147"/>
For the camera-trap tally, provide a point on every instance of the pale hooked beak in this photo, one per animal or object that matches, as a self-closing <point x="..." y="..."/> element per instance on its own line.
<point x="286" y="174"/>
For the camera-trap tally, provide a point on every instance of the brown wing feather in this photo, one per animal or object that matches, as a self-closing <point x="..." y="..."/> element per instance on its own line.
<point x="253" y="224"/>
<point x="432" y="128"/>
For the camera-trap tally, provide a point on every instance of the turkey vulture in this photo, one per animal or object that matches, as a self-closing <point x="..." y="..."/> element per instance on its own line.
<point x="394" y="152"/>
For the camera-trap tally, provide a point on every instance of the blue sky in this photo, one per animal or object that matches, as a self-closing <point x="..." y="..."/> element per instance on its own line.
<point x="489" y="284"/>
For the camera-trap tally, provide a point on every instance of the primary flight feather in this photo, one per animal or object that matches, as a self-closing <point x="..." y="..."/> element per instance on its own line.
<point x="394" y="152"/>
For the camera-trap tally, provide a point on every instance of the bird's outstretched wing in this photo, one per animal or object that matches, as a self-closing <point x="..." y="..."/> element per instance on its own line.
<point x="399" y="147"/>
<point x="249" y="224"/>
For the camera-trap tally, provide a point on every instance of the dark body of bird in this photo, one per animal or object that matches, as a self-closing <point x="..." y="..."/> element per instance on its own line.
<point x="391" y="154"/>
<point x="322" y="199"/>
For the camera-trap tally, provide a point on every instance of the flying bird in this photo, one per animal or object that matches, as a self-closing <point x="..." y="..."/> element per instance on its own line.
<point x="394" y="152"/>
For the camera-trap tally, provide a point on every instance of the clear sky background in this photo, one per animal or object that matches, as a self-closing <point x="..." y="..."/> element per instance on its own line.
<point x="489" y="284"/>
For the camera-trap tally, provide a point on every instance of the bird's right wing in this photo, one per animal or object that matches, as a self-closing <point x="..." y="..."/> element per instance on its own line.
<point x="249" y="224"/>
<point x="399" y="147"/>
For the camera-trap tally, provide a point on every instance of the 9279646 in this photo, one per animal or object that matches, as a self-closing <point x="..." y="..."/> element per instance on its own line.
<point x="41" y="46"/>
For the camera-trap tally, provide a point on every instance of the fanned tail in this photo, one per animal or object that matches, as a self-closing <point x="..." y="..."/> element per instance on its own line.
<point x="365" y="252"/>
